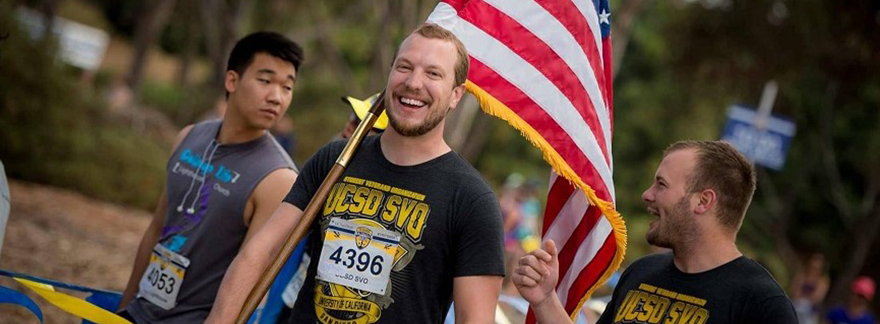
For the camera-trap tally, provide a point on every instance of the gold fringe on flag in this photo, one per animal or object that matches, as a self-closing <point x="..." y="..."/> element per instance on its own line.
<point x="495" y="108"/>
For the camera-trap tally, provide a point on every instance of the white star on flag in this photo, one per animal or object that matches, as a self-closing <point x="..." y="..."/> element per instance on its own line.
<point x="603" y="17"/>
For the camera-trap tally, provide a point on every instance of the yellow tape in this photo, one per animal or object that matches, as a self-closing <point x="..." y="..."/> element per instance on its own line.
<point x="73" y="305"/>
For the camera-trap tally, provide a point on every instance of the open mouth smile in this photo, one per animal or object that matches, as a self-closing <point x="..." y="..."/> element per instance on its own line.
<point x="411" y="102"/>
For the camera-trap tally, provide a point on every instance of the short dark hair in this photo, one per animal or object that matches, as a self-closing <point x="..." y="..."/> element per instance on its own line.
<point x="264" y="42"/>
<point x="721" y="167"/>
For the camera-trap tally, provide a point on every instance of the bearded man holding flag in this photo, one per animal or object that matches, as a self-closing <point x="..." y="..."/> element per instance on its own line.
<point x="545" y="67"/>
<point x="409" y="227"/>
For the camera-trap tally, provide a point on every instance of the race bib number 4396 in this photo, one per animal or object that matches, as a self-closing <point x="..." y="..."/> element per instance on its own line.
<point x="357" y="255"/>
<point x="161" y="282"/>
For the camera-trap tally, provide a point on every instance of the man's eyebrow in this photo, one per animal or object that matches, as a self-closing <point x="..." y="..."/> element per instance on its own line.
<point x="435" y="68"/>
<point x="432" y="67"/>
<point x="270" y="71"/>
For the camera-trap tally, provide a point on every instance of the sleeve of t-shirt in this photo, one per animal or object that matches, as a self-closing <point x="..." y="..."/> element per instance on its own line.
<point x="605" y="318"/>
<point x="616" y="295"/>
<point x="607" y="314"/>
<point x="478" y="239"/>
<point x="312" y="175"/>
<point x="776" y="309"/>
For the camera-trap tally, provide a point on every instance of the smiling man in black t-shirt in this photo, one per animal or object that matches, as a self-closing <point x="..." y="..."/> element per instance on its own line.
<point x="700" y="195"/>
<point x="409" y="227"/>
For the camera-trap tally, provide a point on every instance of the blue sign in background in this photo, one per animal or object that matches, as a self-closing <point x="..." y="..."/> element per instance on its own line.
<point x="767" y="147"/>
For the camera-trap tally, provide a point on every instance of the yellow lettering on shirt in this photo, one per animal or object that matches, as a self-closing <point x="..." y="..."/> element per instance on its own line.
<point x="655" y="305"/>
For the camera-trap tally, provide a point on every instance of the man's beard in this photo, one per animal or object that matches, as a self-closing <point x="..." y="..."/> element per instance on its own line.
<point x="431" y="121"/>
<point x="675" y="230"/>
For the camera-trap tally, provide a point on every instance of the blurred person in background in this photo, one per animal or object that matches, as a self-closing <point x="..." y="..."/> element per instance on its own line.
<point x="856" y="310"/>
<point x="519" y="209"/>
<point x="511" y="201"/>
<point x="119" y="94"/>
<point x="359" y="109"/>
<point x="808" y="289"/>
<point x="283" y="132"/>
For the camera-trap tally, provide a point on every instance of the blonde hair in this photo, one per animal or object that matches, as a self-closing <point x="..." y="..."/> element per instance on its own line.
<point x="462" y="64"/>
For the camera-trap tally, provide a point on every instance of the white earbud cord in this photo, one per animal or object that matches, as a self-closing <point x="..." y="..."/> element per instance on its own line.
<point x="198" y="170"/>
<point x="191" y="210"/>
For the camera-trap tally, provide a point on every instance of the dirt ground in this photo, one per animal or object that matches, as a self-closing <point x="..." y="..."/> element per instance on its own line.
<point x="62" y="235"/>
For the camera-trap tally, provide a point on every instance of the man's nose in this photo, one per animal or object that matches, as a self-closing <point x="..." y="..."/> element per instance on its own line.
<point x="414" y="81"/>
<point x="274" y="95"/>
<point x="648" y="196"/>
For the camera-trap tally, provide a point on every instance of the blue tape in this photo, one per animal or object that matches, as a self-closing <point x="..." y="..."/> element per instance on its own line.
<point x="108" y="300"/>
<point x="56" y="284"/>
<point x="9" y="296"/>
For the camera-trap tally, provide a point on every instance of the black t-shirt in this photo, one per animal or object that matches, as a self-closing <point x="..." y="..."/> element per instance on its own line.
<point x="448" y="218"/>
<point x="653" y="290"/>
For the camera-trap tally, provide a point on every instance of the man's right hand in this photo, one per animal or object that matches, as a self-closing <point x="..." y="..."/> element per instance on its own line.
<point x="537" y="274"/>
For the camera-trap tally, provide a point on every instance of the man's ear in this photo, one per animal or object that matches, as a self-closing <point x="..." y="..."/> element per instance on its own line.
<point x="707" y="200"/>
<point x="231" y="81"/>
<point x="457" y="93"/>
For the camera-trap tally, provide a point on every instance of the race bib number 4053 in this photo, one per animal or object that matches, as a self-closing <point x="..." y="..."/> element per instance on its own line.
<point x="357" y="256"/>
<point x="163" y="277"/>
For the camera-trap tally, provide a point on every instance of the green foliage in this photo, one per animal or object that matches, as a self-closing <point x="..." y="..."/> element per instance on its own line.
<point x="52" y="131"/>
<point x="165" y="96"/>
<point x="183" y="105"/>
<point x="318" y="114"/>
<point x="687" y="62"/>
<point x="276" y="15"/>
<point x="508" y="152"/>
<point x="83" y="12"/>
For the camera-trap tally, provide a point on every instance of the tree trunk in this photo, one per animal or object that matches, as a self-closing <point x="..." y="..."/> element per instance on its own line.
<point x="459" y="123"/>
<point x="382" y="54"/>
<point x="621" y="29"/>
<point x="425" y="8"/>
<point x="48" y="8"/>
<point x="476" y="138"/>
<point x="860" y="217"/>
<point x="149" y="26"/>
<point x="221" y="20"/>
<point x="862" y="240"/>
<point x="781" y="214"/>
<point x="190" y="45"/>
<point x="331" y="52"/>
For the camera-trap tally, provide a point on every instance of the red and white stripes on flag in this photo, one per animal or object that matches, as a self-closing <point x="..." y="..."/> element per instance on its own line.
<point x="544" y="66"/>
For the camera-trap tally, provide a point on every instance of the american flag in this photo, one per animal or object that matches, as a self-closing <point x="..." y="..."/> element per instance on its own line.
<point x="544" y="66"/>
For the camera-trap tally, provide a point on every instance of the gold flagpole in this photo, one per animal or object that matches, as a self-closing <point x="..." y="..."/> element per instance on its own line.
<point x="262" y="286"/>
